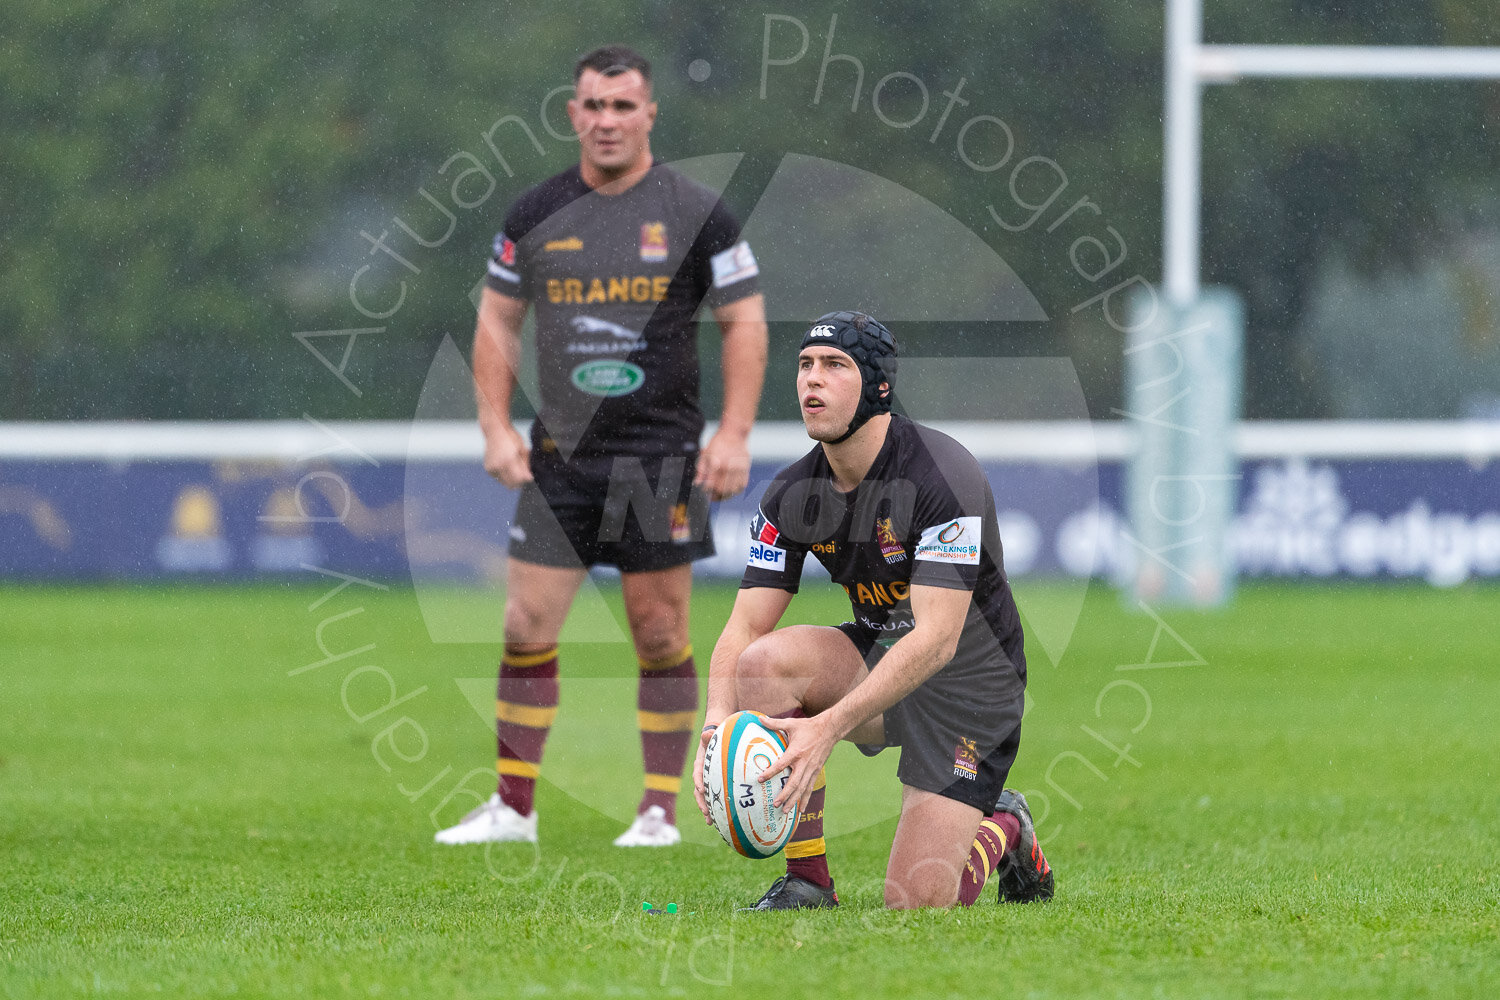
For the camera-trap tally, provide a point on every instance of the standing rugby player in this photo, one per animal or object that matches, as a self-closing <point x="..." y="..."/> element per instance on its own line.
<point x="616" y="256"/>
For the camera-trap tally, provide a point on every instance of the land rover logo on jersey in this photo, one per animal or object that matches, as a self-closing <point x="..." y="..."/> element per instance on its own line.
<point x="653" y="241"/>
<point x="608" y="378"/>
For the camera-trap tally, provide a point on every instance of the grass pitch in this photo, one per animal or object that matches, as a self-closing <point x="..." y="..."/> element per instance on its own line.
<point x="1294" y="797"/>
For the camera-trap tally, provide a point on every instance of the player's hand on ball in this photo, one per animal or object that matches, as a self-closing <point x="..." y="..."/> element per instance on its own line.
<point x="724" y="465"/>
<point x="507" y="457"/>
<point x="808" y="745"/>
<point x="698" y="793"/>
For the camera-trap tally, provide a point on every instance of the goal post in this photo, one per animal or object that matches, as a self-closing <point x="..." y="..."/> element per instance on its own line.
<point x="1180" y="436"/>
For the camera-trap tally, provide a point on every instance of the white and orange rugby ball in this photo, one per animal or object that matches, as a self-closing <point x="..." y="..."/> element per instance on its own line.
<point x="740" y="807"/>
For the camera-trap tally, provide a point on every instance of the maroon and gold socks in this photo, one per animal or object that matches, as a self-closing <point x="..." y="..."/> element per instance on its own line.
<point x="667" y="708"/>
<point x="666" y="711"/>
<point x="524" y="709"/>
<point x="997" y="832"/>
<point x="807" y="851"/>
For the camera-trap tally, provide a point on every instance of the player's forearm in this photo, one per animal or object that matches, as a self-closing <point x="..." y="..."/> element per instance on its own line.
<point x="752" y="618"/>
<point x="496" y="355"/>
<point x="743" y="366"/>
<point x="757" y="612"/>
<point x="939" y="614"/>
<point x="493" y="396"/>
<point x="910" y="662"/>
<point x="721" y="698"/>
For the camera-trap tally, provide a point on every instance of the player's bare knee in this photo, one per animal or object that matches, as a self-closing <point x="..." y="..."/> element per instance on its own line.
<point x="526" y="630"/>
<point x="656" y="646"/>
<point x="657" y="635"/>
<point x="896" y="896"/>
<point x="901" y="896"/>
<point x="920" y="883"/>
<point x="771" y="679"/>
<point x="923" y="895"/>
<point x="762" y="660"/>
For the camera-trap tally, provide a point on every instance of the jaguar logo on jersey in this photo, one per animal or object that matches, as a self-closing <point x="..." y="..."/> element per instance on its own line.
<point x="955" y="542"/>
<point x="966" y="759"/>
<point x="890" y="545"/>
<point x="653" y="241"/>
<point x="608" y="378"/>
<point x="762" y="530"/>
<point x="620" y="339"/>
<point x="681" y="530"/>
<point x="592" y="324"/>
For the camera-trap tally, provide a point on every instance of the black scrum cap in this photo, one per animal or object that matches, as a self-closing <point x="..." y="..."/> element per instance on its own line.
<point x="873" y="349"/>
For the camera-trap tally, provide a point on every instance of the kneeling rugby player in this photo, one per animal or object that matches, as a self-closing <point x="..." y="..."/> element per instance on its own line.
<point x="903" y="518"/>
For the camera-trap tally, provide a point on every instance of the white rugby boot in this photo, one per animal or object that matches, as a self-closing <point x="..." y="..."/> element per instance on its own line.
<point x="494" y="821"/>
<point x="650" y="829"/>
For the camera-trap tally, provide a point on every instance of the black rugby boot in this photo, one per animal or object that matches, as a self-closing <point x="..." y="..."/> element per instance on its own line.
<point x="1023" y="876"/>
<point x="792" y="892"/>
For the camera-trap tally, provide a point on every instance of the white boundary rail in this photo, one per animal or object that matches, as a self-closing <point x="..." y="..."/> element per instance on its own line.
<point x="1059" y="442"/>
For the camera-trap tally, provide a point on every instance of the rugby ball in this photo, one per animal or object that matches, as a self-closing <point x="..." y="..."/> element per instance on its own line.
<point x="740" y="807"/>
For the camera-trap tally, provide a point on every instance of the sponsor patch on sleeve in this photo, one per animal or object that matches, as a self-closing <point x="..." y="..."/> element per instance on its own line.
<point x="762" y="530"/>
<point x="504" y="259"/>
<point x="956" y="542"/>
<point x="735" y="264"/>
<point x="765" y="556"/>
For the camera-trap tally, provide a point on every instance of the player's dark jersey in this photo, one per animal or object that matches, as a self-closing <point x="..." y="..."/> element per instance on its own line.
<point x="616" y="281"/>
<point x="924" y="514"/>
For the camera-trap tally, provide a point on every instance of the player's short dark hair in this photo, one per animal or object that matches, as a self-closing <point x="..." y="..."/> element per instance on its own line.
<point x="612" y="60"/>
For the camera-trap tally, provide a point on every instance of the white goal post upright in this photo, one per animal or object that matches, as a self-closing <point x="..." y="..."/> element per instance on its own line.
<point x="1179" y="349"/>
<point x="1191" y="65"/>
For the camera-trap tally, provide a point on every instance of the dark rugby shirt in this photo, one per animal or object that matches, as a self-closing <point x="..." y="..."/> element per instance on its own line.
<point x="924" y="514"/>
<point x="616" y="281"/>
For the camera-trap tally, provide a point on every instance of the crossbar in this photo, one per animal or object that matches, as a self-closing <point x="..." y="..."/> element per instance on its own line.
<point x="1227" y="63"/>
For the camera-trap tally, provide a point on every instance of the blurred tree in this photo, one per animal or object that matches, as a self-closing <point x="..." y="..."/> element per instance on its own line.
<point x="187" y="184"/>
